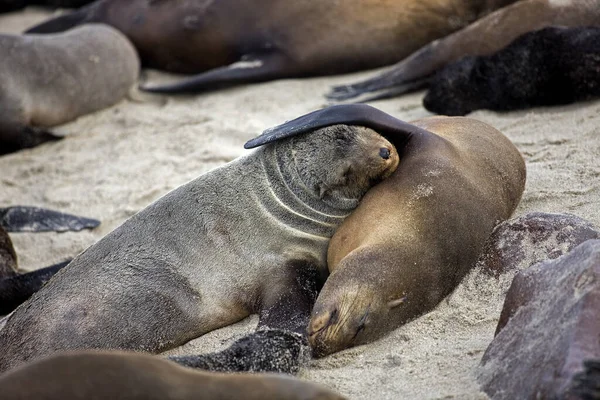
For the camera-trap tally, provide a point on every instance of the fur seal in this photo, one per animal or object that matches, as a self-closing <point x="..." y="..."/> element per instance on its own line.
<point x="417" y="233"/>
<point x="239" y="41"/>
<point x="15" y="288"/>
<point x="483" y="37"/>
<point x="52" y="79"/>
<point x="551" y="66"/>
<point x="129" y="376"/>
<point x="241" y="239"/>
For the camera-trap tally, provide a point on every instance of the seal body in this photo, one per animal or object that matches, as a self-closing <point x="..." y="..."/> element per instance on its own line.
<point x="130" y="376"/>
<point x="52" y="79"/>
<point x="416" y="234"/>
<point x="547" y="67"/>
<point x="274" y="38"/>
<point x="241" y="239"/>
<point x="483" y="37"/>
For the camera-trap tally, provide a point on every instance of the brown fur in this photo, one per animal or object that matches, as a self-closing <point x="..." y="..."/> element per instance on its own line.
<point x="415" y="235"/>
<point x="130" y="376"/>
<point x="314" y="37"/>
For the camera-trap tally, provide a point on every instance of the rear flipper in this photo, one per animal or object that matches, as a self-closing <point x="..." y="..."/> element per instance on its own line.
<point x="275" y="351"/>
<point x="66" y="21"/>
<point x="25" y="138"/>
<point x="253" y="69"/>
<point x="485" y="36"/>
<point x="17" y="289"/>
<point x="280" y="343"/>
<point x="34" y="219"/>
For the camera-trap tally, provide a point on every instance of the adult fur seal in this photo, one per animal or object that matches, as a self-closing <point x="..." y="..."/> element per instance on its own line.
<point x="15" y="288"/>
<point x="130" y="376"/>
<point x="52" y="79"/>
<point x="416" y="234"/>
<point x="241" y="239"/>
<point x="483" y="37"/>
<point x="546" y="67"/>
<point x="273" y="39"/>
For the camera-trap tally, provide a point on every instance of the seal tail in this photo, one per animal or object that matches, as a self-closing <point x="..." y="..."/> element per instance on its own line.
<point x="34" y="219"/>
<point x="253" y="69"/>
<point x="66" y="21"/>
<point x="17" y="289"/>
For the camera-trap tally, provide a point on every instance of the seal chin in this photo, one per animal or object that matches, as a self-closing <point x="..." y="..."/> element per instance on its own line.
<point x="338" y="327"/>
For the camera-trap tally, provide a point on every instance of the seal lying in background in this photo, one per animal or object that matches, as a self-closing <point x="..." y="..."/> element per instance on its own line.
<point x="546" y="67"/>
<point x="485" y="36"/>
<point x="15" y="288"/>
<point x="416" y="234"/>
<point x="52" y="79"/>
<point x="130" y="376"/>
<point x="273" y="39"/>
<point x="241" y="239"/>
<point x="12" y="5"/>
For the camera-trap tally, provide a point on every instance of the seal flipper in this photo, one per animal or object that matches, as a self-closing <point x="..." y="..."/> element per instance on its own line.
<point x="17" y="289"/>
<point x="65" y="22"/>
<point x="26" y="137"/>
<point x="274" y="350"/>
<point x="34" y="219"/>
<point x="254" y="69"/>
<point x="395" y="130"/>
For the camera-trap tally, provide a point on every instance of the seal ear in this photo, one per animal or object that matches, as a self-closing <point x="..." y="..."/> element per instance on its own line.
<point x="347" y="114"/>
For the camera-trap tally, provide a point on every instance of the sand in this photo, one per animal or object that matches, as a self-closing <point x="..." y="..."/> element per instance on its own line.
<point x="115" y="162"/>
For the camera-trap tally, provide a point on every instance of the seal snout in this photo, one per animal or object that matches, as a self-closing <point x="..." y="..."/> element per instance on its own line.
<point x="384" y="153"/>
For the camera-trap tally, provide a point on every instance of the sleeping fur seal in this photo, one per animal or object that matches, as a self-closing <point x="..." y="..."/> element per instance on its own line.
<point x="229" y="42"/>
<point x="93" y="375"/>
<point x="241" y="239"/>
<point x="416" y="234"/>
<point x="483" y="37"/>
<point x="52" y="79"/>
<point x="15" y="288"/>
<point x="551" y="66"/>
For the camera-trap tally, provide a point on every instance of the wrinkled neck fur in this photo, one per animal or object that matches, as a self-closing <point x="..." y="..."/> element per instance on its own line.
<point x="290" y="192"/>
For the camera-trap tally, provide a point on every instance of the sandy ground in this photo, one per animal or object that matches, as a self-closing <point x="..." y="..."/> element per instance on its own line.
<point x="115" y="162"/>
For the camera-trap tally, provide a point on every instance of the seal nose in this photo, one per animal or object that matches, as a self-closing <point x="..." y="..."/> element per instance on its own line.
<point x="322" y="322"/>
<point x="384" y="153"/>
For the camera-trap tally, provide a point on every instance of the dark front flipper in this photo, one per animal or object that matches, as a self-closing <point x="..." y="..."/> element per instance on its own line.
<point x="34" y="219"/>
<point x="257" y="69"/>
<point x="263" y="351"/>
<point x="66" y="21"/>
<point x="392" y="128"/>
<point x="25" y="138"/>
<point x="15" y="290"/>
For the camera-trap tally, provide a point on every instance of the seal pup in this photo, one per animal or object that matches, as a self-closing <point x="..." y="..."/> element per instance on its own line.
<point x="483" y="37"/>
<point x="417" y="233"/>
<point x="15" y="288"/>
<point x="90" y="375"/>
<point x="230" y="42"/>
<point x="551" y="66"/>
<point x="48" y="80"/>
<point x="240" y="239"/>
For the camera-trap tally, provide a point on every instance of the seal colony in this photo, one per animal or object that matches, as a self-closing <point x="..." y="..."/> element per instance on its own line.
<point x="483" y="37"/>
<point x="241" y="239"/>
<point x="90" y="68"/>
<point x="252" y="41"/>
<point x="416" y="234"/>
<point x="128" y="376"/>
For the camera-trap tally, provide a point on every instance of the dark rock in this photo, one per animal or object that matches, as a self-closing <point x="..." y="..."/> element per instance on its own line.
<point x="551" y="326"/>
<point x="521" y="242"/>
